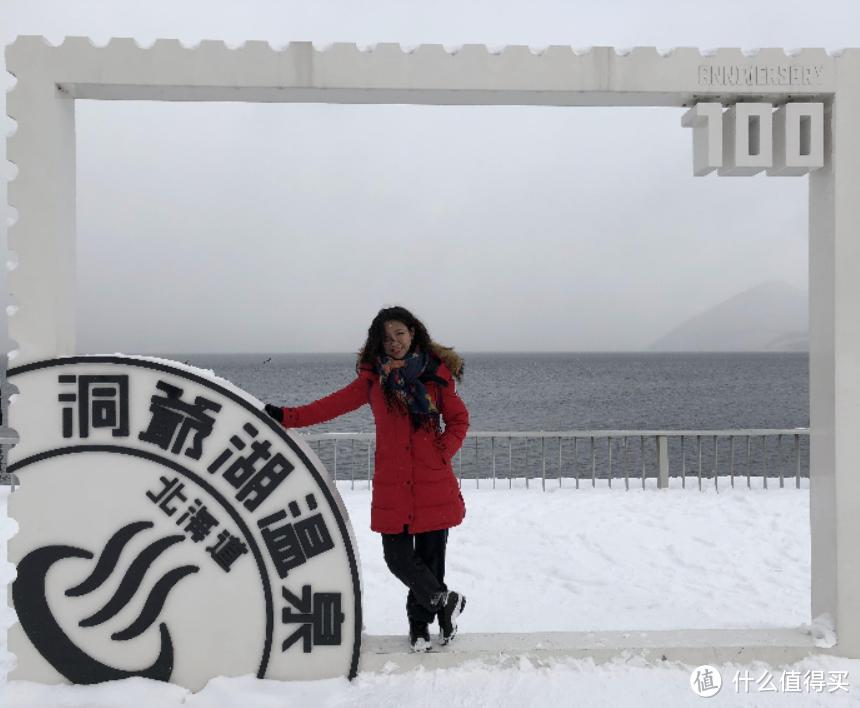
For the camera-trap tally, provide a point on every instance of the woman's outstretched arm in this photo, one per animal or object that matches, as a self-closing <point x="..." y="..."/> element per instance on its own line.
<point x="347" y="399"/>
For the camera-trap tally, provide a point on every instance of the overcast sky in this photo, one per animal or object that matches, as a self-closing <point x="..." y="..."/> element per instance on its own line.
<point x="279" y="227"/>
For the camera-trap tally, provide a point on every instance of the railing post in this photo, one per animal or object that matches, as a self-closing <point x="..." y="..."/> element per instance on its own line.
<point x="493" y="454"/>
<point x="662" y="462"/>
<point x="683" y="462"/>
<point x="797" y="460"/>
<point x="559" y="461"/>
<point x="335" y="459"/>
<point x="609" y="472"/>
<point x="526" y="472"/>
<point x="699" y="443"/>
<point x="779" y="461"/>
<point x="716" y="463"/>
<point x="732" y="461"/>
<point x="624" y="465"/>
<point x="593" y="464"/>
<point x="542" y="461"/>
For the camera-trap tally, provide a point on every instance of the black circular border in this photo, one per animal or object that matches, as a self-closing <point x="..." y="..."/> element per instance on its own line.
<point x="273" y="426"/>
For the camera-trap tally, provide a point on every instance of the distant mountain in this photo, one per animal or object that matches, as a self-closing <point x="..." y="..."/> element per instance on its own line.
<point x="772" y="316"/>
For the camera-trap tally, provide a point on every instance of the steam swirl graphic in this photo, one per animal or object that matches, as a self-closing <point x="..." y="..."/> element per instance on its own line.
<point x="38" y="622"/>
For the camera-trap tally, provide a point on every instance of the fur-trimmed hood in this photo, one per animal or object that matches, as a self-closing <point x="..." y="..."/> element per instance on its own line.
<point x="450" y="358"/>
<point x="446" y="355"/>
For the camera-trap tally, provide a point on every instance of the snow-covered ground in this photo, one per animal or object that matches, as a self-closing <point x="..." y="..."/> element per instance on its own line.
<point x="586" y="559"/>
<point x="564" y="559"/>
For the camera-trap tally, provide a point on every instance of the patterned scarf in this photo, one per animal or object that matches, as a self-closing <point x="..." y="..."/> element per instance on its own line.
<point x="401" y="381"/>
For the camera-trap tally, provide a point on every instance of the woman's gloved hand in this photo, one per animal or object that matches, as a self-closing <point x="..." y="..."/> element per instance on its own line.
<point x="275" y="412"/>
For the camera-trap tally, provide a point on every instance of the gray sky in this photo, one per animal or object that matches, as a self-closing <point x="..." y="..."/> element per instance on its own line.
<point x="244" y="227"/>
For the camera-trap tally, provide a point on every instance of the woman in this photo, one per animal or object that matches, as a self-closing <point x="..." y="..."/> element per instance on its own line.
<point x="408" y="380"/>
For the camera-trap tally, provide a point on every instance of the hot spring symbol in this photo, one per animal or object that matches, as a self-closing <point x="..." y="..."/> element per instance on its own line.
<point x="40" y="625"/>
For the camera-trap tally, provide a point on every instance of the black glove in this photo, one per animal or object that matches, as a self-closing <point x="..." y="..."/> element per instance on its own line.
<point x="275" y="412"/>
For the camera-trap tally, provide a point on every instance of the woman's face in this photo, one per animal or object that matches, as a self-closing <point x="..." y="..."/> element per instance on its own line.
<point x="398" y="339"/>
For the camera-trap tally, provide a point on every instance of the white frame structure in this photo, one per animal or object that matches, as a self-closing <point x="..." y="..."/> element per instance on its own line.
<point x="50" y="78"/>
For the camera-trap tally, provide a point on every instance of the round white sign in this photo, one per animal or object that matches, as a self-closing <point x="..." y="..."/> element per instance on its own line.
<point x="170" y="529"/>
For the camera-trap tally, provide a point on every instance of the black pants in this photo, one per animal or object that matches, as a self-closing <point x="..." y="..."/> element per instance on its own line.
<point x="418" y="561"/>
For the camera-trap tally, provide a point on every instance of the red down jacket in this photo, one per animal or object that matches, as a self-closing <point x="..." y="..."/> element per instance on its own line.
<point x="413" y="481"/>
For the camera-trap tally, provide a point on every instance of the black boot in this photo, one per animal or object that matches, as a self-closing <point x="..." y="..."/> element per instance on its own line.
<point x="451" y="604"/>
<point x="419" y="635"/>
